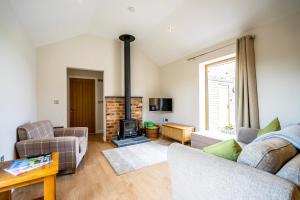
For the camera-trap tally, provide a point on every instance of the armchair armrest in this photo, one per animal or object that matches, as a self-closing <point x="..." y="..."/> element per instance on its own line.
<point x="74" y="131"/>
<point x="246" y="135"/>
<point x="198" y="175"/>
<point x="67" y="147"/>
<point x="33" y="147"/>
<point x="47" y="145"/>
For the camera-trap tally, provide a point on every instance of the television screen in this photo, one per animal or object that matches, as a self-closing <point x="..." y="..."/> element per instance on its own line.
<point x="160" y="104"/>
<point x="166" y="104"/>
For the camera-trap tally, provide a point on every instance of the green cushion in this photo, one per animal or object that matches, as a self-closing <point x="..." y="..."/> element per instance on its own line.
<point x="228" y="149"/>
<point x="149" y="124"/>
<point x="271" y="127"/>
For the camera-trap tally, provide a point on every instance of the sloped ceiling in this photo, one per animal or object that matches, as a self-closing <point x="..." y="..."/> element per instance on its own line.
<point x="165" y="29"/>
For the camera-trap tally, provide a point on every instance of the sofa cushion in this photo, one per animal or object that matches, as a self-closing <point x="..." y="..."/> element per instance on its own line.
<point x="271" y="127"/>
<point x="36" y="130"/>
<point x="228" y="149"/>
<point x="268" y="155"/>
<point x="291" y="170"/>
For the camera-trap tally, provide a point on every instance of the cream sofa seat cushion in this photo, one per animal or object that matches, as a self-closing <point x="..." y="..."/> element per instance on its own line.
<point x="268" y="155"/>
<point x="291" y="170"/>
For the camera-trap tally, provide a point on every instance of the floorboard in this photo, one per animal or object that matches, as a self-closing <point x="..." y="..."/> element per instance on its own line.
<point x="95" y="179"/>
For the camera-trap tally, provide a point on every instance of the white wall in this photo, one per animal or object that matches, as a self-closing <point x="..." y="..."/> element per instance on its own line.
<point x="93" y="53"/>
<point x="277" y="48"/>
<point x="145" y="82"/>
<point x="181" y="81"/>
<point x="17" y="79"/>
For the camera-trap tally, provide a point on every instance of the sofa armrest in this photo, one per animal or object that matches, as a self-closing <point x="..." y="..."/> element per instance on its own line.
<point x="246" y="135"/>
<point x="68" y="148"/>
<point x="74" y="131"/>
<point x="198" y="175"/>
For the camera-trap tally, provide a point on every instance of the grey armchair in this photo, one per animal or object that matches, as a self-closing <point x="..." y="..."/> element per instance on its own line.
<point x="40" y="138"/>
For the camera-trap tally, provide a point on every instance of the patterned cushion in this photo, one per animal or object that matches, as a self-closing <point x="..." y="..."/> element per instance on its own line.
<point x="291" y="170"/>
<point x="268" y="155"/>
<point x="36" y="130"/>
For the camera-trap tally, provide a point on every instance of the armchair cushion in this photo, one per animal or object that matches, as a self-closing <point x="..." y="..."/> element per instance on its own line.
<point x="36" y="130"/>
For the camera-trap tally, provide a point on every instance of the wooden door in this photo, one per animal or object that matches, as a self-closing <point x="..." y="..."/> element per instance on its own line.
<point x="82" y="103"/>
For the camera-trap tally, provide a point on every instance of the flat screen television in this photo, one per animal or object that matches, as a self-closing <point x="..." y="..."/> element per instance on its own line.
<point x="161" y="104"/>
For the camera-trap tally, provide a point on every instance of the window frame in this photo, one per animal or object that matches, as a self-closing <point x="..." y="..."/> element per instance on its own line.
<point x="206" y="86"/>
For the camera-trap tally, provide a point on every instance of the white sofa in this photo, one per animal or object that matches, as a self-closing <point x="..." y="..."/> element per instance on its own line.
<point x="197" y="175"/>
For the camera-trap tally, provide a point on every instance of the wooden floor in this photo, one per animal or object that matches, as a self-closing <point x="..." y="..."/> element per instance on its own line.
<point x="95" y="179"/>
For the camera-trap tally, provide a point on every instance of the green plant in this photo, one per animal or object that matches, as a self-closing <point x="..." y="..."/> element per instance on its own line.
<point x="229" y="127"/>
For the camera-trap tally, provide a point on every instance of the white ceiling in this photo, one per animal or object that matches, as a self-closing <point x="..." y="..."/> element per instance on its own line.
<point x="196" y="24"/>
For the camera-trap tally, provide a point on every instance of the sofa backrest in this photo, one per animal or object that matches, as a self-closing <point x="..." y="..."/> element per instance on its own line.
<point x="36" y="130"/>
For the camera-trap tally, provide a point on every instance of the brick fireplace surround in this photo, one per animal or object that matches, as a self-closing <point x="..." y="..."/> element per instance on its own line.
<point x="114" y="106"/>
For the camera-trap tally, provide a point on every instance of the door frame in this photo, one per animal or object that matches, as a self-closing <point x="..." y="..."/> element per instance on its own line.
<point x="206" y="86"/>
<point x="96" y="95"/>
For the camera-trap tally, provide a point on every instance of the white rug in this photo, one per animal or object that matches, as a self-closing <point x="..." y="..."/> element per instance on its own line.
<point x="134" y="157"/>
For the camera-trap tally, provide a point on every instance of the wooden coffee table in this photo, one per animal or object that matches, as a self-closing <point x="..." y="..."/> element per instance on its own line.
<point x="46" y="174"/>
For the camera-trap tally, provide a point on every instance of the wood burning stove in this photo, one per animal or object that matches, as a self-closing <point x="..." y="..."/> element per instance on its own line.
<point x="128" y="126"/>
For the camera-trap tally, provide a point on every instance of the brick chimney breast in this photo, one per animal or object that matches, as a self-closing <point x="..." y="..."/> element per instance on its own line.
<point x="115" y="111"/>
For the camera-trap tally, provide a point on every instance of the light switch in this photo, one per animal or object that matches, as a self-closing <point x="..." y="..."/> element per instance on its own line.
<point x="56" y="101"/>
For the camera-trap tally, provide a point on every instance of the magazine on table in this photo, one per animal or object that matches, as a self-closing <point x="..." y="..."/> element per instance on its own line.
<point x="21" y="166"/>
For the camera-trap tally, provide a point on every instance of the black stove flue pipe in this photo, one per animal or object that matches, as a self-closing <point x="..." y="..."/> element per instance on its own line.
<point x="127" y="39"/>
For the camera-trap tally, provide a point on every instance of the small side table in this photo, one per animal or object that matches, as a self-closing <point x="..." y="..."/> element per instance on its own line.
<point x="203" y="139"/>
<point x="46" y="174"/>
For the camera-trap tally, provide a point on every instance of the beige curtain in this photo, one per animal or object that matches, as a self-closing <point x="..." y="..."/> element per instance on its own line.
<point x="246" y="90"/>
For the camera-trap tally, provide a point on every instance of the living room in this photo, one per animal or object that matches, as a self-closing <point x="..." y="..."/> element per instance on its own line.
<point x="150" y="65"/>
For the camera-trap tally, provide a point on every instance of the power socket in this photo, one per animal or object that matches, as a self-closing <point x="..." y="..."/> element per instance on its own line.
<point x="2" y="159"/>
<point x="165" y="119"/>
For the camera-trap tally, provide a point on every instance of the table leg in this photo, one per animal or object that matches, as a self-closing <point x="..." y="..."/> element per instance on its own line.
<point x="50" y="188"/>
<point x="5" y="195"/>
<point x="182" y="140"/>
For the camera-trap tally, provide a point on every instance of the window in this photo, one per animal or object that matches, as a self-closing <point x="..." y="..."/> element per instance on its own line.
<point x="220" y="95"/>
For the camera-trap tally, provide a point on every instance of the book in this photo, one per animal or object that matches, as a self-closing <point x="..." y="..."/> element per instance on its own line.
<point x="21" y="166"/>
